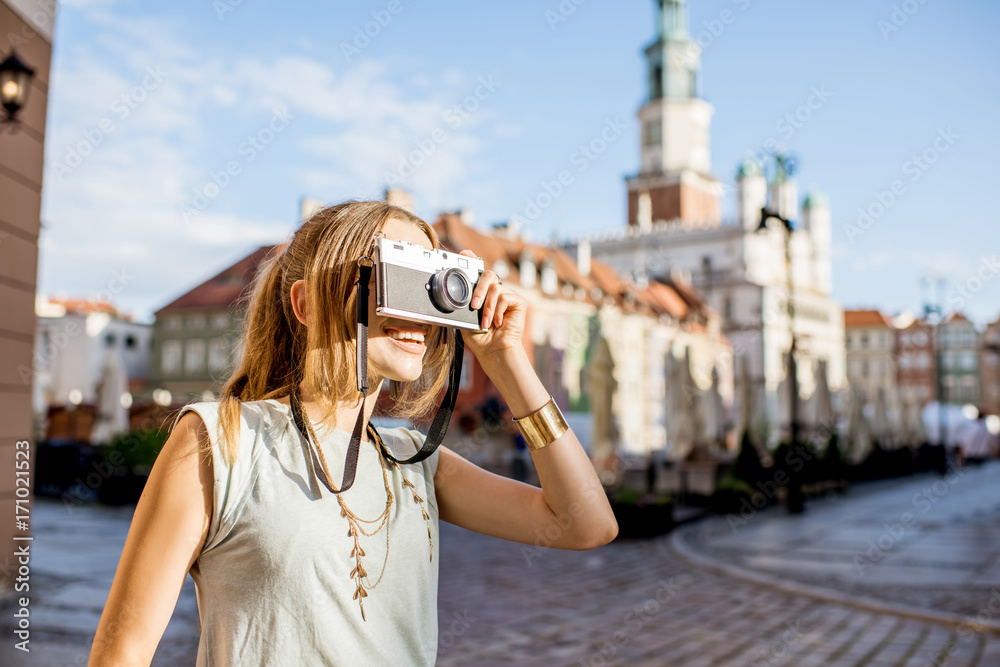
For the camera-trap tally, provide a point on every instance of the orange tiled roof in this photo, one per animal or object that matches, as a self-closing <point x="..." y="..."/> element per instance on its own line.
<point x="224" y="289"/>
<point x="85" y="306"/>
<point x="865" y="318"/>
<point x="668" y="297"/>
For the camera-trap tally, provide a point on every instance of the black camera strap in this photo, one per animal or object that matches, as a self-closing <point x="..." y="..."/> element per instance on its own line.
<point x="441" y="419"/>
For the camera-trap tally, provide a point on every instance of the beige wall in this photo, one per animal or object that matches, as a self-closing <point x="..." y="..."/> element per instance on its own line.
<point x="21" y="157"/>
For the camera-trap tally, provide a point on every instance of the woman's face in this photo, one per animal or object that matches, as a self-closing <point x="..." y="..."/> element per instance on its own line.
<point x="396" y="347"/>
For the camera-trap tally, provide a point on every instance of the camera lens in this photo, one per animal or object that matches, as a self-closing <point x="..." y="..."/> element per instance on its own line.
<point x="457" y="286"/>
<point x="450" y="290"/>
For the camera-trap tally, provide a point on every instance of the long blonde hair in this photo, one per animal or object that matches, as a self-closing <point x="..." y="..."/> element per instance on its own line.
<point x="279" y="352"/>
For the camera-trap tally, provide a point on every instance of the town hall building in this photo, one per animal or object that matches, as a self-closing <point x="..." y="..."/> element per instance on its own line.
<point x="676" y="228"/>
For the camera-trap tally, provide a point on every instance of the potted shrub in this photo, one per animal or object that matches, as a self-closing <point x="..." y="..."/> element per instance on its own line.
<point x="127" y="461"/>
<point x="642" y="515"/>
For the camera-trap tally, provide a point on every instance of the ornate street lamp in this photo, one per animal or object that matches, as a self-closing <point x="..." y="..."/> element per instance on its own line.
<point x="15" y="82"/>
<point x="795" y="500"/>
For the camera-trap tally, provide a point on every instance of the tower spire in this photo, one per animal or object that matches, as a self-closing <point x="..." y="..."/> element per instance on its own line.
<point x="671" y="18"/>
<point x="674" y="180"/>
<point x="674" y="58"/>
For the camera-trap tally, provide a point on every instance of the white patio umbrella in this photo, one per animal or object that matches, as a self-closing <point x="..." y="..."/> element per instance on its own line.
<point x="857" y="427"/>
<point x="602" y="390"/>
<point x="680" y="424"/>
<point x="785" y="399"/>
<point x="880" y="419"/>
<point x="714" y="414"/>
<point x="112" y="415"/>
<point x="744" y="398"/>
<point x="824" y="419"/>
<point x="913" y="422"/>
<point x="693" y="400"/>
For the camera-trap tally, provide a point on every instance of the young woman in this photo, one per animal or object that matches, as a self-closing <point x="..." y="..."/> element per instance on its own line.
<point x="288" y="572"/>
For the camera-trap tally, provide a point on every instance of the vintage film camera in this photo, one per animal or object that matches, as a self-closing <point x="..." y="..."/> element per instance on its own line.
<point x="421" y="285"/>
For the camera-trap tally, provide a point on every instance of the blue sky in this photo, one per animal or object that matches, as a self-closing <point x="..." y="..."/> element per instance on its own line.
<point x="264" y="99"/>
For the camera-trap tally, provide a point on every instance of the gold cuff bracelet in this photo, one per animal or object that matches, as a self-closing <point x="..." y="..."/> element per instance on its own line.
<point x="543" y="427"/>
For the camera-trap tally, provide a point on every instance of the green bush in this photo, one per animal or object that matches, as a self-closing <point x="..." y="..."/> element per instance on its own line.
<point x="638" y="498"/>
<point x="134" y="451"/>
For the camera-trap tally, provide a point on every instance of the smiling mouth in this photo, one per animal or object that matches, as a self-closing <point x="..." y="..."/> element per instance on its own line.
<point x="411" y="340"/>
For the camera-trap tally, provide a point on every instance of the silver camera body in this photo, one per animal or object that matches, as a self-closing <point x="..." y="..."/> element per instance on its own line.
<point x="421" y="285"/>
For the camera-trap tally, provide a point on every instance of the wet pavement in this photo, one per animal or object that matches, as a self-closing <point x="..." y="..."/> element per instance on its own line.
<point x="927" y="542"/>
<point x="628" y="603"/>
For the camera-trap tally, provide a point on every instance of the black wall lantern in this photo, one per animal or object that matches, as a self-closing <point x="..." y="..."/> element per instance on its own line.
<point x="15" y="81"/>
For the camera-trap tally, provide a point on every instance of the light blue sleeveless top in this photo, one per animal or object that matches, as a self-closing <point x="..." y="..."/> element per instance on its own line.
<point x="273" y="580"/>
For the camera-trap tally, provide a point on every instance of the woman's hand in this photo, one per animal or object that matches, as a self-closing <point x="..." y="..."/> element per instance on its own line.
<point x="503" y="316"/>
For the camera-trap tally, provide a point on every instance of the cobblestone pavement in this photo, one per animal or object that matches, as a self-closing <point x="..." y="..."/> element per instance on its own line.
<point x="638" y="603"/>
<point x="628" y="603"/>
<point x="929" y="542"/>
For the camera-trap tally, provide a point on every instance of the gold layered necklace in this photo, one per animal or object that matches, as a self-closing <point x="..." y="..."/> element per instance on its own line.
<point x="356" y="525"/>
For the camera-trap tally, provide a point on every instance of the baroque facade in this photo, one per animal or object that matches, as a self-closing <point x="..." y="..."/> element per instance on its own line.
<point x="675" y="229"/>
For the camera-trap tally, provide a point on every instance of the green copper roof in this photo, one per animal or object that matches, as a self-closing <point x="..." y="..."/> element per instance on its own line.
<point x="749" y="168"/>
<point x="816" y="199"/>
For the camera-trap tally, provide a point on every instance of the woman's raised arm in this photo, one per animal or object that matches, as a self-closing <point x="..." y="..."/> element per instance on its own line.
<point x="167" y="533"/>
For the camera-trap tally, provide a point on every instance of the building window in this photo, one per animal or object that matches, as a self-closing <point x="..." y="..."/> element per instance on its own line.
<point x="220" y="321"/>
<point x="728" y="307"/>
<point x="170" y="360"/>
<point x="864" y="340"/>
<point x="652" y="132"/>
<point x="172" y="323"/>
<point x="864" y="369"/>
<point x="194" y="356"/>
<point x="130" y="342"/>
<point x="218" y="354"/>
<point x="904" y="362"/>
<point x="196" y="322"/>
<point x="847" y="341"/>
<point x="109" y="340"/>
<point x="992" y="358"/>
<point x="968" y="361"/>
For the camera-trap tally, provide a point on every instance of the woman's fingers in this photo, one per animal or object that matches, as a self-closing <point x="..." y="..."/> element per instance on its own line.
<point x="501" y="308"/>
<point x="490" y="304"/>
<point x="487" y="279"/>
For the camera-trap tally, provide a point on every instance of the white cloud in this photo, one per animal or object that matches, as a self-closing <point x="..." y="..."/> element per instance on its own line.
<point x="120" y="204"/>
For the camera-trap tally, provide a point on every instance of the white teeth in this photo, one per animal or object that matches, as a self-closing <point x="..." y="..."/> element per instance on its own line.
<point x="407" y="335"/>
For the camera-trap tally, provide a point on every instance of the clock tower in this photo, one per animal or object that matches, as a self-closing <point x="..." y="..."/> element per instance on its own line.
<point x="674" y="181"/>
